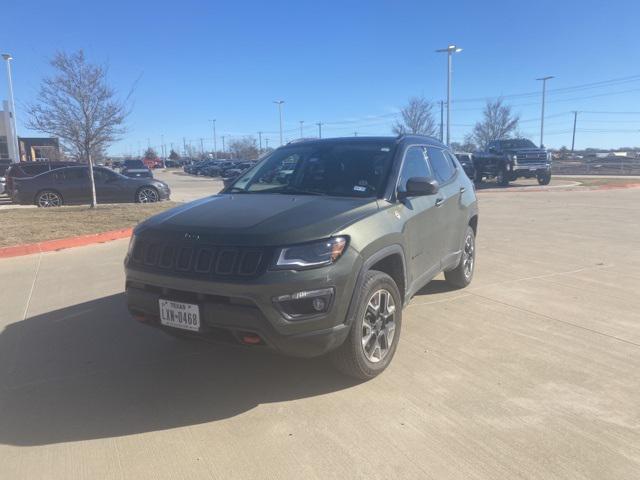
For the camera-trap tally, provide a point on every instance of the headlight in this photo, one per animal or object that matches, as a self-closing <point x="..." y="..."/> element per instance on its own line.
<point x="515" y="159"/>
<point x="310" y="255"/>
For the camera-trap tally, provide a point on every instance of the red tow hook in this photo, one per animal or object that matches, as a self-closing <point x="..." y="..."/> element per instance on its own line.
<point x="250" y="339"/>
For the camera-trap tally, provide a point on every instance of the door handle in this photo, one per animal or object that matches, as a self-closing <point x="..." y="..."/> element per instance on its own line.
<point x="439" y="201"/>
<point x="462" y="189"/>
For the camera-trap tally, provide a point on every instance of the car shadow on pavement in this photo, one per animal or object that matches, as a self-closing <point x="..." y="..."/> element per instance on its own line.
<point x="89" y="371"/>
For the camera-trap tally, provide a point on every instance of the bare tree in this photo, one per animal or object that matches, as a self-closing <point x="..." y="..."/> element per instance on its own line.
<point x="244" y="148"/>
<point x="416" y="118"/>
<point x="498" y="122"/>
<point x="77" y="105"/>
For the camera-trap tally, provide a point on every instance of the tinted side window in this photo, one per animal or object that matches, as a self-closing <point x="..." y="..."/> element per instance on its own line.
<point x="415" y="165"/>
<point x="441" y="164"/>
<point x="75" y="173"/>
<point x="102" y="174"/>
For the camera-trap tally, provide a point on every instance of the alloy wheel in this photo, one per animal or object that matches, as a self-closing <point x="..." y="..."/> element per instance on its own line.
<point x="468" y="256"/>
<point x="147" y="195"/>
<point x="378" y="326"/>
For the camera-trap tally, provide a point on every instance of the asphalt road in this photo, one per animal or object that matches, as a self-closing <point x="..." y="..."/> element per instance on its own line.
<point x="532" y="372"/>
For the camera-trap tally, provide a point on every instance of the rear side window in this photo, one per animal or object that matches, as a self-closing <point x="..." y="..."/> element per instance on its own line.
<point x="414" y="165"/>
<point x="75" y="173"/>
<point x="441" y="164"/>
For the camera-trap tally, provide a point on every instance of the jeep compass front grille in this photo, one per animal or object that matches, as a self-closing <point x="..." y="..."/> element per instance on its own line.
<point x="199" y="260"/>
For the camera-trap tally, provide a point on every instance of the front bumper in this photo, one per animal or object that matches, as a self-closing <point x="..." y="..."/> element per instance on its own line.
<point x="229" y="309"/>
<point x="530" y="168"/>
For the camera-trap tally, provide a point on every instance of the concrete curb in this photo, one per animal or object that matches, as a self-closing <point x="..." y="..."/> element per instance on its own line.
<point x="62" y="243"/>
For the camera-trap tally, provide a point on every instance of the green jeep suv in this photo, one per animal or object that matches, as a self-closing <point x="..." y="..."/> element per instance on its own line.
<point x="315" y="250"/>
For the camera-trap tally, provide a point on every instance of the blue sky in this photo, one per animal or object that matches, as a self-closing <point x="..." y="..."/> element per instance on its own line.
<point x="349" y="64"/>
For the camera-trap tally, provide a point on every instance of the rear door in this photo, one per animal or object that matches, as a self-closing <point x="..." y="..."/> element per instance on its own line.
<point x="448" y="201"/>
<point x="422" y="229"/>
<point x="73" y="184"/>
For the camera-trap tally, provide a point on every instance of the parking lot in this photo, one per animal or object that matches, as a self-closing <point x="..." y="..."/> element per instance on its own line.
<point x="532" y="372"/>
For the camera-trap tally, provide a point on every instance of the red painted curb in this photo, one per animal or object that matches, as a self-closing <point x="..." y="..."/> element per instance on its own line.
<point x="62" y="243"/>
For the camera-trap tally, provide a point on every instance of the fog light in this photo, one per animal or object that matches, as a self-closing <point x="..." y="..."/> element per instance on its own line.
<point x="304" y="304"/>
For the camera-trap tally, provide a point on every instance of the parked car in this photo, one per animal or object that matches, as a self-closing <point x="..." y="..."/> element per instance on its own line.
<point x="323" y="263"/>
<point x="507" y="160"/>
<point x="70" y="185"/>
<point x="30" y="169"/>
<point x="466" y="161"/>
<point x="230" y="174"/>
<point x="216" y="168"/>
<point x="172" y="164"/>
<point x="135" y="169"/>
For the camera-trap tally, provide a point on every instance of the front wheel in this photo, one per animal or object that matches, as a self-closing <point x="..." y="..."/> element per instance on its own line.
<point x="503" y="177"/>
<point x="462" y="275"/>
<point x="544" y="178"/>
<point x="374" y="335"/>
<point x="147" y="195"/>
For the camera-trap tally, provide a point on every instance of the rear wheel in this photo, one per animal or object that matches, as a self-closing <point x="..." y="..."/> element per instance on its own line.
<point x="462" y="275"/>
<point x="147" y="195"/>
<point x="544" y="178"/>
<point x="374" y="335"/>
<point x="48" y="198"/>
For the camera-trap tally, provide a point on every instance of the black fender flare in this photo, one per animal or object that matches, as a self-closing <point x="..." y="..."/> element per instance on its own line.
<point x="366" y="266"/>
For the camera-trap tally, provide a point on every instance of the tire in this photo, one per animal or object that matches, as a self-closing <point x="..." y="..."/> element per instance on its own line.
<point x="544" y="178"/>
<point x="462" y="275"/>
<point x="364" y="359"/>
<point x="147" y="195"/>
<point x="503" y="177"/>
<point x="477" y="177"/>
<point x="48" y="198"/>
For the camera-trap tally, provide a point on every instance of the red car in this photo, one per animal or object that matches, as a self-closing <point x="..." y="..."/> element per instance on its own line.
<point x="152" y="163"/>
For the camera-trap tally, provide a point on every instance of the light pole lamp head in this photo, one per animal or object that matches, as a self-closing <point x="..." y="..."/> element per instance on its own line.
<point x="546" y="78"/>
<point x="7" y="56"/>
<point x="450" y="49"/>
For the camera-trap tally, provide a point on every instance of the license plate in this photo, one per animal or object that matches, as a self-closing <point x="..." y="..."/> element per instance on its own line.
<point x="180" y="315"/>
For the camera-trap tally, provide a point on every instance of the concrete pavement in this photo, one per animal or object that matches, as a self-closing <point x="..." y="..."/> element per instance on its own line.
<point x="532" y="372"/>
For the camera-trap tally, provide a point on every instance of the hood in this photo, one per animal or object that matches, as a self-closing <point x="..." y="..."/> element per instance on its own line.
<point x="259" y="219"/>
<point x="523" y="151"/>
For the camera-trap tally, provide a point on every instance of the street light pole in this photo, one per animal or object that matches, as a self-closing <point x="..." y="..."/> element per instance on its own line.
<point x="260" y="140"/>
<point x="12" y="105"/>
<point x="301" y="128"/>
<point x="573" y="138"/>
<point x="319" y="124"/>
<point x="279" y="103"/>
<point x="544" y="93"/>
<point x="215" y="146"/>
<point x="450" y="50"/>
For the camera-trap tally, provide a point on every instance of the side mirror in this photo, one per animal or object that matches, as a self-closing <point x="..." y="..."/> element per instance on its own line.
<point x="419" y="186"/>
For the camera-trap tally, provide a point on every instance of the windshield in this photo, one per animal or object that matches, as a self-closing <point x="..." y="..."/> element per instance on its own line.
<point x="518" y="143"/>
<point x="353" y="169"/>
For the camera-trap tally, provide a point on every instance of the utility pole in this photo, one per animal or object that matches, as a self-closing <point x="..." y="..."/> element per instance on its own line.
<point x="267" y="140"/>
<point x="202" y="146"/>
<point x="162" y="151"/>
<point x="355" y="134"/>
<point x="12" y="106"/>
<point x="279" y="103"/>
<point x="319" y="124"/>
<point x="223" y="149"/>
<point x="301" y="129"/>
<point x="260" y="141"/>
<point x="450" y="50"/>
<point x="184" y="146"/>
<point x="573" y="138"/>
<point x="215" y="145"/>
<point x="442" y="120"/>
<point x="544" y="93"/>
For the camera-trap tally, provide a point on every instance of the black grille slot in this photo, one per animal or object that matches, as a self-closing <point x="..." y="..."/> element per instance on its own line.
<point x="250" y="262"/>
<point x="166" y="259"/>
<point x="138" y="252"/>
<point x="151" y="254"/>
<point x="184" y="259"/>
<point x="204" y="260"/>
<point x="226" y="261"/>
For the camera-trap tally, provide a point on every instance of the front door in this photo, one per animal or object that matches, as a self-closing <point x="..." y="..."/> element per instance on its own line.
<point x="422" y="225"/>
